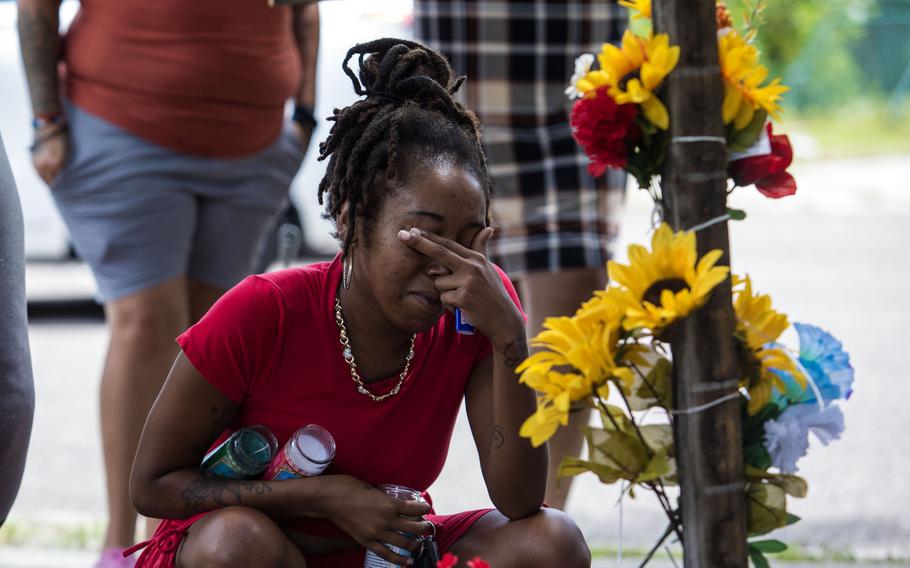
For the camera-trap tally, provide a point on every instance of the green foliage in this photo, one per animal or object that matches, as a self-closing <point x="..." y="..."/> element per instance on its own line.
<point x="818" y="47"/>
<point x="646" y="157"/>
<point x="741" y="140"/>
<point x="754" y="436"/>
<point x="758" y="549"/>
<point x="623" y="450"/>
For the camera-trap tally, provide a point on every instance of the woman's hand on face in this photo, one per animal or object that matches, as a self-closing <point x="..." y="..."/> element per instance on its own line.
<point x="473" y="283"/>
<point x="372" y="518"/>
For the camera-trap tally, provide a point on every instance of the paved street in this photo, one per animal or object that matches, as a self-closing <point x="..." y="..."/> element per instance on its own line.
<point x="835" y="255"/>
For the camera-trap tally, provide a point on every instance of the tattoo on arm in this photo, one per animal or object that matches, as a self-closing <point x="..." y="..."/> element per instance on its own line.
<point x="205" y="494"/>
<point x="39" y="40"/>
<point x="221" y="417"/>
<point x="515" y="352"/>
<point x="497" y="439"/>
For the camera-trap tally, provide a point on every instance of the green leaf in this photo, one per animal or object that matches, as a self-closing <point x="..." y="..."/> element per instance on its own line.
<point x="768" y="546"/>
<point x="736" y="214"/>
<point x="740" y="140"/>
<point x="654" y="389"/>
<point x="618" y="416"/>
<point x="659" y="437"/>
<point x="792" y="519"/>
<point x="624" y="451"/>
<point x="791" y="484"/>
<point x="758" y="559"/>
<point x="574" y="466"/>
<point x="767" y="507"/>
<point x="658" y="467"/>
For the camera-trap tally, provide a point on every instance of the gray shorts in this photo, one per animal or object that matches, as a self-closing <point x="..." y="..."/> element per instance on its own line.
<point x="140" y="214"/>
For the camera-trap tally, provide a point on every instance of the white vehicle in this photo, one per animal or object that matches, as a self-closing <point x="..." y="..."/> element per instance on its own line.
<point x="343" y="24"/>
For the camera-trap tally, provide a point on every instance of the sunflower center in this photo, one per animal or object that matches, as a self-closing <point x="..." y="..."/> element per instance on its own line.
<point x="652" y="294"/>
<point x="634" y="74"/>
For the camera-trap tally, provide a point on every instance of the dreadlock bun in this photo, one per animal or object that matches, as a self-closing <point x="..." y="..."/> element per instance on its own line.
<point x="408" y="103"/>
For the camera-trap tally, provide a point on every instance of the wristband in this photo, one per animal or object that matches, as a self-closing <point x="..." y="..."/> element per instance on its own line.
<point x="39" y="140"/>
<point x="48" y="119"/>
<point x="303" y="115"/>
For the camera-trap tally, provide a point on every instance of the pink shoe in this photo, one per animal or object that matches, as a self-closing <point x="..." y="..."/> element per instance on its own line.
<point x="113" y="558"/>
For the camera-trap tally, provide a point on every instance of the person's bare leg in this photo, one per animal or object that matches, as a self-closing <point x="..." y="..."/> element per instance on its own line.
<point x="201" y="297"/>
<point x="141" y="350"/>
<point x="551" y="294"/>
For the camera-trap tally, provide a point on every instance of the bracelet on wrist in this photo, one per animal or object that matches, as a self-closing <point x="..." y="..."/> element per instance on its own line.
<point x="41" y="139"/>
<point x="304" y="116"/>
<point x="48" y="119"/>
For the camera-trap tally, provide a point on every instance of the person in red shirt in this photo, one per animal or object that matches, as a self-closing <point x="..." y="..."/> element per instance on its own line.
<point x="169" y="158"/>
<point x="408" y="191"/>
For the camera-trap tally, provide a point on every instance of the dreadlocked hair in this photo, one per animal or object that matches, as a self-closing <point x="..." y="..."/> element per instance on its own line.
<point x="409" y="118"/>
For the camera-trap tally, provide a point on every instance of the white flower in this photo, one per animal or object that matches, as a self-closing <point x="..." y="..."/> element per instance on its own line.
<point x="583" y="64"/>
<point x="787" y="438"/>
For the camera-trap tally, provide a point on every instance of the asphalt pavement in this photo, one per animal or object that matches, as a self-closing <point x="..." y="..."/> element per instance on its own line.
<point x="834" y="255"/>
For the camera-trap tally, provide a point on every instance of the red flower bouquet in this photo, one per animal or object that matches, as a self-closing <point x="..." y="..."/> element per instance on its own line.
<point x="768" y="172"/>
<point x="605" y="130"/>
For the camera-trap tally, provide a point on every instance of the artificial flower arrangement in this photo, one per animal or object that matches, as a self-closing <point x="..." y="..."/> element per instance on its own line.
<point x="614" y="353"/>
<point x="621" y="122"/>
<point x="618" y="344"/>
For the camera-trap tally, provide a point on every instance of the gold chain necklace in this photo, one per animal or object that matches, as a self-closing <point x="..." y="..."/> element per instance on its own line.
<point x="348" y="355"/>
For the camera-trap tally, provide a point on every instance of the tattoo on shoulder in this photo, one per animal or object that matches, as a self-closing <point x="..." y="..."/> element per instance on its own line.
<point x="207" y="493"/>
<point x="497" y="439"/>
<point x="516" y="352"/>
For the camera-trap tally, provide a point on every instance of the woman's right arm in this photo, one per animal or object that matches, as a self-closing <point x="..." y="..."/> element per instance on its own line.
<point x="185" y="420"/>
<point x="167" y="481"/>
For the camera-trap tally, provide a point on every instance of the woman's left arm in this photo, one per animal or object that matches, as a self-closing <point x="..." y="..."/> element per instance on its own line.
<point x="497" y="405"/>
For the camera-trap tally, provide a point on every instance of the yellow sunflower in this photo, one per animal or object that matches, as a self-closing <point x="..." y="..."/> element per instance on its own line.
<point x="633" y="72"/>
<point x="743" y="77"/>
<point x="643" y="7"/>
<point x="577" y="361"/>
<point x="667" y="283"/>
<point x="758" y="326"/>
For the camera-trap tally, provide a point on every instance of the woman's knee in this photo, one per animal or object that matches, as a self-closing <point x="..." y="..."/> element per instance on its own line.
<point x="238" y="536"/>
<point x="553" y="539"/>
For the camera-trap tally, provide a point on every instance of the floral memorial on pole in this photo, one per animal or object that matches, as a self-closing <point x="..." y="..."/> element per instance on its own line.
<point x="614" y="353"/>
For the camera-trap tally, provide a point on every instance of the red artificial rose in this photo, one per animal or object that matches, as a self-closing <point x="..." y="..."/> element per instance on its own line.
<point x="448" y="560"/>
<point x="767" y="172"/>
<point x="476" y="562"/>
<point x="603" y="129"/>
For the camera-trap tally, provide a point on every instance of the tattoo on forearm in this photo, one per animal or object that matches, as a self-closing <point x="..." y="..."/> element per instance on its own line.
<point x="206" y="494"/>
<point x="39" y="41"/>
<point x="497" y="439"/>
<point x="516" y="352"/>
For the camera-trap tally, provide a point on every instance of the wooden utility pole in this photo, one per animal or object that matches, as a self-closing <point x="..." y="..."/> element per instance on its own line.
<point x="694" y="184"/>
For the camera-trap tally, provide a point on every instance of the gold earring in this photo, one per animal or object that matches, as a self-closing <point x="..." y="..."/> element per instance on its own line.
<point x="347" y="268"/>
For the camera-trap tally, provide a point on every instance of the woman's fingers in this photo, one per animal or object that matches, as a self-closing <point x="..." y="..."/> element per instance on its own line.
<point x="414" y="509"/>
<point x="412" y="527"/>
<point x="434" y="250"/>
<point x="479" y="244"/>
<point x="395" y="538"/>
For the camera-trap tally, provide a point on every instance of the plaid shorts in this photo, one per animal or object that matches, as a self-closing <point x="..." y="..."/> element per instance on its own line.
<point x="519" y="56"/>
